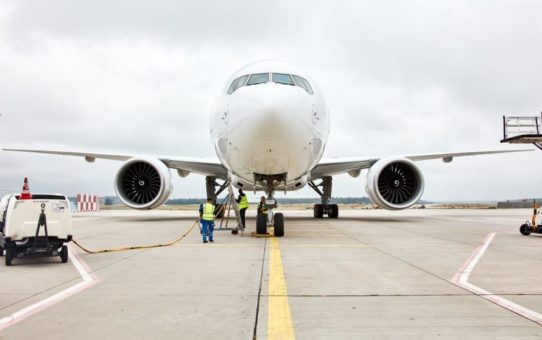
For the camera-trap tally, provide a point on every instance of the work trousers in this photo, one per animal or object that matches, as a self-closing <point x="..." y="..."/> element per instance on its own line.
<point x="242" y="212"/>
<point x="207" y="228"/>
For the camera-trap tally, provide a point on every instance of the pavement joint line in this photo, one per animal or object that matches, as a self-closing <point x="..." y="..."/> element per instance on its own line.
<point x="397" y="228"/>
<point x="89" y="280"/>
<point x="255" y="330"/>
<point x="462" y="276"/>
<point x="400" y="259"/>
<point x="284" y="245"/>
<point x="279" y="317"/>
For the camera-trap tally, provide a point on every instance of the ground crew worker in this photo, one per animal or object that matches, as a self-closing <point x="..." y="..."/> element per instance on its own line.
<point x="243" y="205"/>
<point x="262" y="207"/>
<point x="207" y="217"/>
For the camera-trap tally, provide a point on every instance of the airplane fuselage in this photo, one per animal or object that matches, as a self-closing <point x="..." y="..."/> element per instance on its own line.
<point x="270" y="122"/>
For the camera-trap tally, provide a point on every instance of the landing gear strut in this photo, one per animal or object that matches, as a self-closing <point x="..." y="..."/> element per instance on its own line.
<point x="331" y="210"/>
<point x="211" y="185"/>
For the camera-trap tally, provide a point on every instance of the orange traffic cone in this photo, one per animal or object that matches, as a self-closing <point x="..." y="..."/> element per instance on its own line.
<point x="25" y="195"/>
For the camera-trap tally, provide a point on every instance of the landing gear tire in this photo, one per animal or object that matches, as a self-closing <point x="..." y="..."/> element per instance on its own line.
<point x="318" y="211"/>
<point x="334" y="211"/>
<point x="64" y="254"/>
<point x="235" y="231"/>
<point x="1" y="251"/>
<point x="279" y="225"/>
<point x="9" y="254"/>
<point x="525" y="229"/>
<point x="261" y="224"/>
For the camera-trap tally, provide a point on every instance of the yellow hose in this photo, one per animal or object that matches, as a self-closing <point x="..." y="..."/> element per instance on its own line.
<point x="170" y="243"/>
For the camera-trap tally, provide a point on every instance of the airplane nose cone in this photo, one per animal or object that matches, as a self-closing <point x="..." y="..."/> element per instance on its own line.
<point x="279" y="112"/>
<point x="271" y="130"/>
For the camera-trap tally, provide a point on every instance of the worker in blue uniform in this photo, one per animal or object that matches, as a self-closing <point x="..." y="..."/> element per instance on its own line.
<point x="207" y="217"/>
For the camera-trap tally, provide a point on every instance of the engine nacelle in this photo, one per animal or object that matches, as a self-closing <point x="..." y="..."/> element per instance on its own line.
<point x="143" y="183"/>
<point x="394" y="183"/>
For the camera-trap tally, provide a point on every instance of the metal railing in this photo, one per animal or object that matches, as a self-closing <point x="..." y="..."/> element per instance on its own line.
<point x="515" y="126"/>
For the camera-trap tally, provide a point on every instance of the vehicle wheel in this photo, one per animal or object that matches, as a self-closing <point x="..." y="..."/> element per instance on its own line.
<point x="525" y="229"/>
<point x="261" y="224"/>
<point x="1" y="251"/>
<point x="334" y="213"/>
<point x="278" y="223"/>
<point x="9" y="254"/>
<point x="318" y="211"/>
<point x="235" y="231"/>
<point x="64" y="254"/>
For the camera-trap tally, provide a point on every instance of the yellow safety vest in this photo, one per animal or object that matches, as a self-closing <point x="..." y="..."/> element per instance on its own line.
<point x="263" y="208"/>
<point x="244" y="202"/>
<point x="208" y="212"/>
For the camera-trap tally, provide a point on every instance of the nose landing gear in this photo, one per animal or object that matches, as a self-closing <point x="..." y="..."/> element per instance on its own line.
<point x="270" y="220"/>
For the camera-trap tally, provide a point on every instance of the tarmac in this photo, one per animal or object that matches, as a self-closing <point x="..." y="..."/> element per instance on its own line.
<point x="371" y="274"/>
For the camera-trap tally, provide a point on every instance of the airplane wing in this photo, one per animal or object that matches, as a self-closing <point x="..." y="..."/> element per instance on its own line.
<point x="207" y="167"/>
<point x="336" y="166"/>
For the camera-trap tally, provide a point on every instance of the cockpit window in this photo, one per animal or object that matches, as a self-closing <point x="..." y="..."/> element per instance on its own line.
<point x="233" y="86"/>
<point x="258" y="78"/>
<point x="282" y="78"/>
<point x="237" y="83"/>
<point x="261" y="78"/>
<point x="303" y="83"/>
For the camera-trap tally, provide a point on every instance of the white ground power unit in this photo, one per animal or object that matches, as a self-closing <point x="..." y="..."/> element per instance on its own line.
<point x="37" y="227"/>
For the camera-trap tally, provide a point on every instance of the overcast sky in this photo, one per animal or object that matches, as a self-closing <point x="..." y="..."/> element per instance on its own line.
<point x="399" y="77"/>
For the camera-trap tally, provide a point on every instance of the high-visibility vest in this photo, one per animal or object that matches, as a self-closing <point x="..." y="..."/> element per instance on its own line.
<point x="208" y="212"/>
<point x="263" y="208"/>
<point x="243" y="203"/>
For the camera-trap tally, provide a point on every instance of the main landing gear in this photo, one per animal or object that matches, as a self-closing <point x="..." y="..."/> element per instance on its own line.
<point x="211" y="185"/>
<point x="331" y="210"/>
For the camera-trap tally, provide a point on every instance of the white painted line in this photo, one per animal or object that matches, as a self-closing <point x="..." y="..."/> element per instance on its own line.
<point x="464" y="272"/>
<point x="461" y="279"/>
<point x="89" y="280"/>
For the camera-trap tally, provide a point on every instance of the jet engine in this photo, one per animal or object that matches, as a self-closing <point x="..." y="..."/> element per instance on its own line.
<point x="143" y="183"/>
<point x="394" y="183"/>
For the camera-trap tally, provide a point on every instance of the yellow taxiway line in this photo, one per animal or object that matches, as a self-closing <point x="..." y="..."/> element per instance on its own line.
<point x="279" y="317"/>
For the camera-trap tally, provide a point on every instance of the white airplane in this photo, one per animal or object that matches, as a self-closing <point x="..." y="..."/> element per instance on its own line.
<point x="270" y="127"/>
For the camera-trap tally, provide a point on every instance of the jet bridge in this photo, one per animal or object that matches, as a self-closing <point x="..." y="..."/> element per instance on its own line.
<point x="522" y="130"/>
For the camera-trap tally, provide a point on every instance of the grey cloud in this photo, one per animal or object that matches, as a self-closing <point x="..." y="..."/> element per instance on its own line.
<point x="140" y="77"/>
<point x="180" y="21"/>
